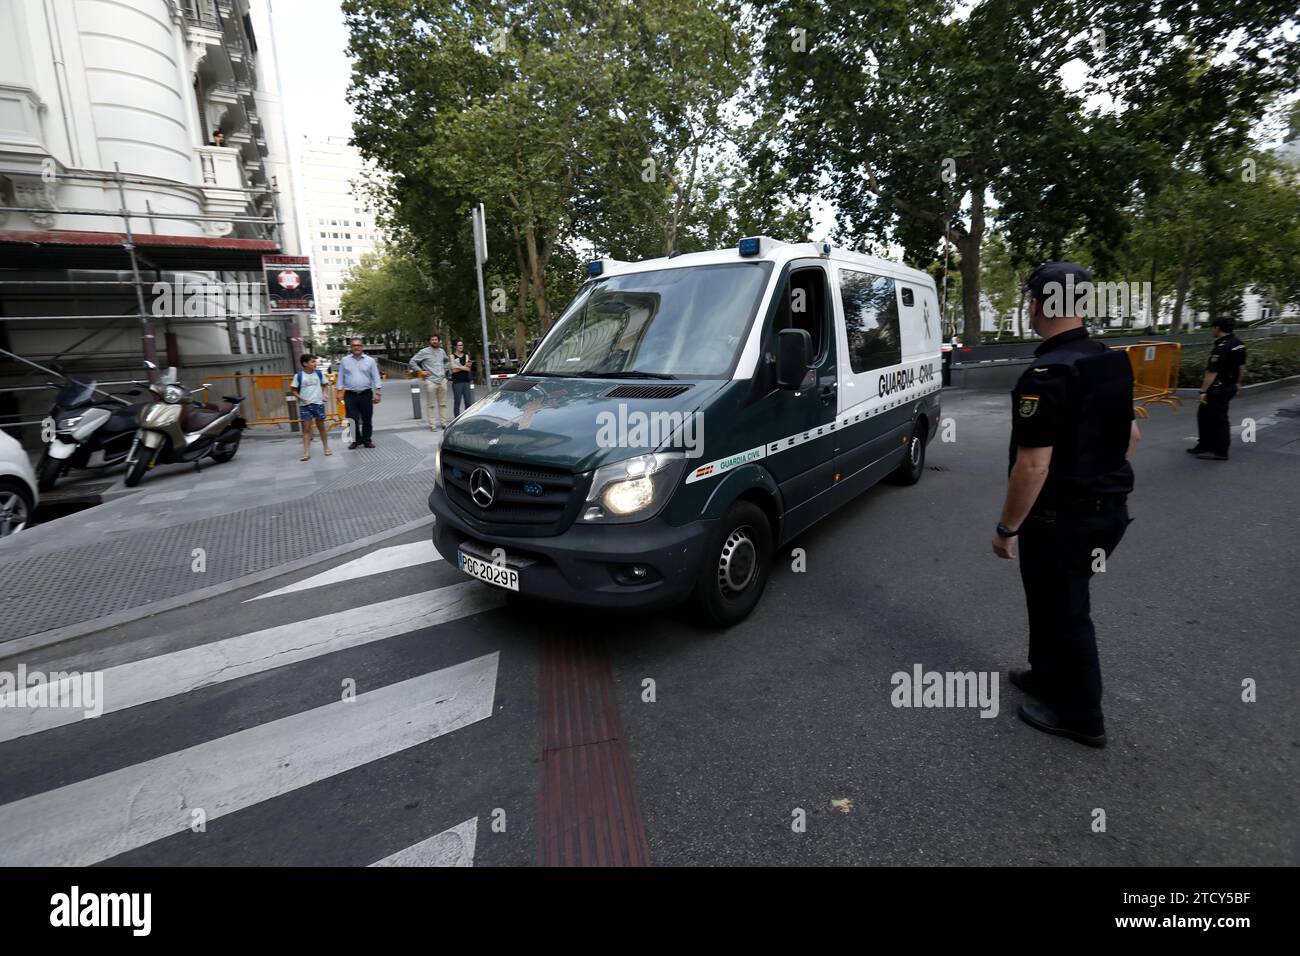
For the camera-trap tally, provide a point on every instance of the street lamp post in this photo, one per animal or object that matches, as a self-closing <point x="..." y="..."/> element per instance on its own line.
<point x="480" y="257"/>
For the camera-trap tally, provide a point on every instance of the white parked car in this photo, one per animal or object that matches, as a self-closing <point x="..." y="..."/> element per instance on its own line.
<point x="18" y="496"/>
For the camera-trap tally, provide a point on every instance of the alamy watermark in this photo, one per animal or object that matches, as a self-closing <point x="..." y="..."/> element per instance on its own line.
<point x="72" y="689"/>
<point x="946" y="689"/>
<point x="634" y="428"/>
<point x="1097" y="300"/>
<point x="206" y="298"/>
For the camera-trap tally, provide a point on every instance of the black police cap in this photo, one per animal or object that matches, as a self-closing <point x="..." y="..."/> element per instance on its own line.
<point x="1056" y="272"/>
<point x="1224" y="323"/>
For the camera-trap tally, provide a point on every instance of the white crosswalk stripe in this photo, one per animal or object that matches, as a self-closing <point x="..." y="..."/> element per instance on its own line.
<point x="376" y="562"/>
<point x="157" y="678"/>
<point x="98" y="818"/>
<point x="92" y="820"/>
<point x="454" y="847"/>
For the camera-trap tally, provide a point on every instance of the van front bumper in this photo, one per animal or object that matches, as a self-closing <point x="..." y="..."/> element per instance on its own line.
<point x="588" y="565"/>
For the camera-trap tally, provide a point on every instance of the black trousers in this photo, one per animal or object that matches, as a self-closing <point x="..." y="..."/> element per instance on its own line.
<point x="360" y="407"/>
<point x="1058" y="554"/>
<point x="1213" y="433"/>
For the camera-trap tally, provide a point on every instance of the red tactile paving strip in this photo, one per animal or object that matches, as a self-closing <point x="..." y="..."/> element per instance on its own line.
<point x="588" y="812"/>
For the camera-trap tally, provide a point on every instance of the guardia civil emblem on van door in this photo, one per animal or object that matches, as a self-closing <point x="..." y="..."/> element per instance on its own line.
<point x="925" y="316"/>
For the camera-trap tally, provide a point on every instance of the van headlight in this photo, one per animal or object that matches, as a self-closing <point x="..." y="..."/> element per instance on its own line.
<point x="634" y="489"/>
<point x="437" y="467"/>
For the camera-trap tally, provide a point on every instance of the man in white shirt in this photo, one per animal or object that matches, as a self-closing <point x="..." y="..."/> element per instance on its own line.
<point x="361" y="384"/>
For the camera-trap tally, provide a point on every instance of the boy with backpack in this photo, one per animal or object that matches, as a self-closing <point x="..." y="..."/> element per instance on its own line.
<point x="309" y="388"/>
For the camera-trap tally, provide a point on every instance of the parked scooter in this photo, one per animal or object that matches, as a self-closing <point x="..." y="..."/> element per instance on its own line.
<point x="179" y="428"/>
<point x="91" y="429"/>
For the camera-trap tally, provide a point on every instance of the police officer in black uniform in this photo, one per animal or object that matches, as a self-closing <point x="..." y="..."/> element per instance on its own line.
<point x="1218" y="388"/>
<point x="1073" y="433"/>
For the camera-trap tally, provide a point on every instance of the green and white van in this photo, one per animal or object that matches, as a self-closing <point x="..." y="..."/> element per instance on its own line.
<point x="685" y="417"/>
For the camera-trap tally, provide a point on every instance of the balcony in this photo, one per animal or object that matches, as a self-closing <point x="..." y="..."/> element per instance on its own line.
<point x="223" y="186"/>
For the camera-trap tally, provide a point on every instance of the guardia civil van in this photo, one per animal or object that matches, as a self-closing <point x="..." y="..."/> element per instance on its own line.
<point x="684" y="417"/>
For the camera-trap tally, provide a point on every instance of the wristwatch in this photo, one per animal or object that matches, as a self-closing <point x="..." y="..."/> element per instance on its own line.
<point x="1005" y="532"/>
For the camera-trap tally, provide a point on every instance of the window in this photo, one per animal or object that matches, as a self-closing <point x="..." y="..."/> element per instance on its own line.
<point x="871" y="320"/>
<point x="907" y="296"/>
<point x="803" y="306"/>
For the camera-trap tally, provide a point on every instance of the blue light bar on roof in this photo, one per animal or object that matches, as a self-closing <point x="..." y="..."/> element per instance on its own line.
<point x="750" y="246"/>
<point x="595" y="267"/>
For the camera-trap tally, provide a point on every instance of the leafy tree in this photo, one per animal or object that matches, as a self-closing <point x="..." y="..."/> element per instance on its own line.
<point x="915" y="118"/>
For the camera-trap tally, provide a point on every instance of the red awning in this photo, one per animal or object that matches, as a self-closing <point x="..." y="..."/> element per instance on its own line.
<point x="77" y="249"/>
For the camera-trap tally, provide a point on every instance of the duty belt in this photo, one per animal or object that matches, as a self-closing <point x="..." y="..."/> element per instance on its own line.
<point x="1093" y="504"/>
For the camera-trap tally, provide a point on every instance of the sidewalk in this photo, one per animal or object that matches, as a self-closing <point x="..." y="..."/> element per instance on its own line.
<point x="263" y="510"/>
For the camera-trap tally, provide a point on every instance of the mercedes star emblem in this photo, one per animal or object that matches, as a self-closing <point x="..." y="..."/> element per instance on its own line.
<point x="481" y="487"/>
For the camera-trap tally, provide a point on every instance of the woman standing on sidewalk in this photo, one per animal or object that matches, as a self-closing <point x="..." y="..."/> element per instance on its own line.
<point x="461" y="374"/>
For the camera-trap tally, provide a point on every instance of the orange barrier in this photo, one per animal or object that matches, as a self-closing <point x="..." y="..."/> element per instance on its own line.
<point x="1155" y="374"/>
<point x="268" y="401"/>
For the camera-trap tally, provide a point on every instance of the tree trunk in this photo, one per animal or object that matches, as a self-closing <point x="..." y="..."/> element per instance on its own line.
<point x="1180" y="289"/>
<point x="521" y="319"/>
<point x="969" y="247"/>
<point x="1020" y="307"/>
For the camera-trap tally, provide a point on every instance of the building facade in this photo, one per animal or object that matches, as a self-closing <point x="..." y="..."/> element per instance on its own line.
<point x="142" y="154"/>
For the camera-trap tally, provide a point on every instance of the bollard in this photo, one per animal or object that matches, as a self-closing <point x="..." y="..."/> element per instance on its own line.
<point x="416" y="410"/>
<point x="292" y="401"/>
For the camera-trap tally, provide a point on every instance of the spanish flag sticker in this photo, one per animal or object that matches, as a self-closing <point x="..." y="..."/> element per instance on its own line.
<point x="1028" y="405"/>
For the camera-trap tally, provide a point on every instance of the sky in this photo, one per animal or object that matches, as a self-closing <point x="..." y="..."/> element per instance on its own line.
<point x="310" y="41"/>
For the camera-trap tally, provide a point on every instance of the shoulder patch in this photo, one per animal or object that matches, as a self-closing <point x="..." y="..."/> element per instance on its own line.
<point x="1028" y="405"/>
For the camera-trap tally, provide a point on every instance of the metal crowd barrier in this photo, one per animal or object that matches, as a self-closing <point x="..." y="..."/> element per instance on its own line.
<point x="268" y="401"/>
<point x="1155" y="367"/>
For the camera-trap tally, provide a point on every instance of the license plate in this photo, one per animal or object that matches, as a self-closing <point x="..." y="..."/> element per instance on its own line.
<point x="488" y="572"/>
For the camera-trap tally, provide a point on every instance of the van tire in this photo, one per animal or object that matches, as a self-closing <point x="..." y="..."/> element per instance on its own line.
<point x="740" y="547"/>
<point x="911" y="469"/>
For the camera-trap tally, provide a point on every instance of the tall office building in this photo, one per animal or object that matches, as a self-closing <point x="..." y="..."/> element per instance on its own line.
<point x="339" y="220"/>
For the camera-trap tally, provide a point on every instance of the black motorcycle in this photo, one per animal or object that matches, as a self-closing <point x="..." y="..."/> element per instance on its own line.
<point x="86" y="428"/>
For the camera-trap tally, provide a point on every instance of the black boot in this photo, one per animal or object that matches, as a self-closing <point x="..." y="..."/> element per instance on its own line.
<point x="1043" y="718"/>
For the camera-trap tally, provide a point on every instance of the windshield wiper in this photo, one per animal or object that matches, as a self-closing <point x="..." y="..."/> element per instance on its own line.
<point x="663" y="375"/>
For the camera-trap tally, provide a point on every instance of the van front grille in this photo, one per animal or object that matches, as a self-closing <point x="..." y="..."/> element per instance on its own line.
<point x="522" y="495"/>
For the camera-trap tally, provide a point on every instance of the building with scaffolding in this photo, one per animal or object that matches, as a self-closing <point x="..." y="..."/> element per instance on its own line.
<point x="142" y="155"/>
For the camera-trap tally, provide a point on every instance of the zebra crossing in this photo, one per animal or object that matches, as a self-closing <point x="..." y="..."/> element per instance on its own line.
<point x="104" y="815"/>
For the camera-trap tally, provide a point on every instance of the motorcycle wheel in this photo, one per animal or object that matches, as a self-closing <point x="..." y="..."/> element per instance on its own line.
<point x="47" y="473"/>
<point x="223" y="453"/>
<point x="135" y="471"/>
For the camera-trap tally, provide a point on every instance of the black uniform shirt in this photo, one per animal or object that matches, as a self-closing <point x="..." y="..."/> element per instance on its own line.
<point x="1227" y="356"/>
<point x="1079" y="403"/>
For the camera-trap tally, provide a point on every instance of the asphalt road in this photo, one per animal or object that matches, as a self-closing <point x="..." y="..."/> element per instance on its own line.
<point x="790" y="711"/>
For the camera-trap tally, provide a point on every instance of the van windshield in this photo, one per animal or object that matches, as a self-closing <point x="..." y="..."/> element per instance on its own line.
<point x="688" y="322"/>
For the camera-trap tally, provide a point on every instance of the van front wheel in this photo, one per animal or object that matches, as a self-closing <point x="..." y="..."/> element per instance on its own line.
<point x="736" y="565"/>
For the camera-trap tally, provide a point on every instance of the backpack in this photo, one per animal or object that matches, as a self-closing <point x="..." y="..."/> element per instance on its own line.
<point x="320" y="377"/>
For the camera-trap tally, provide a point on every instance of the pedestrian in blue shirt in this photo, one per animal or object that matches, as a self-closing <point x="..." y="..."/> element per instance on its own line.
<point x="359" y="379"/>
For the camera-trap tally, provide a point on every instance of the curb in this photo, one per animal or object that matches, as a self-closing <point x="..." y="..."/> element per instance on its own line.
<point x="59" y="635"/>
<point x="1291" y="380"/>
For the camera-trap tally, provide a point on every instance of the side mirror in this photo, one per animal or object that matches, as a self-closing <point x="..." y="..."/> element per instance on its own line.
<point x="794" y="360"/>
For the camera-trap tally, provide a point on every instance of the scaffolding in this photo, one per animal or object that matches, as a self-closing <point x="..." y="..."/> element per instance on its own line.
<point x="267" y="230"/>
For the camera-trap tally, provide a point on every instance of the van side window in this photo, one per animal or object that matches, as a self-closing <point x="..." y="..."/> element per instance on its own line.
<point x="871" y="320"/>
<point x="803" y="306"/>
